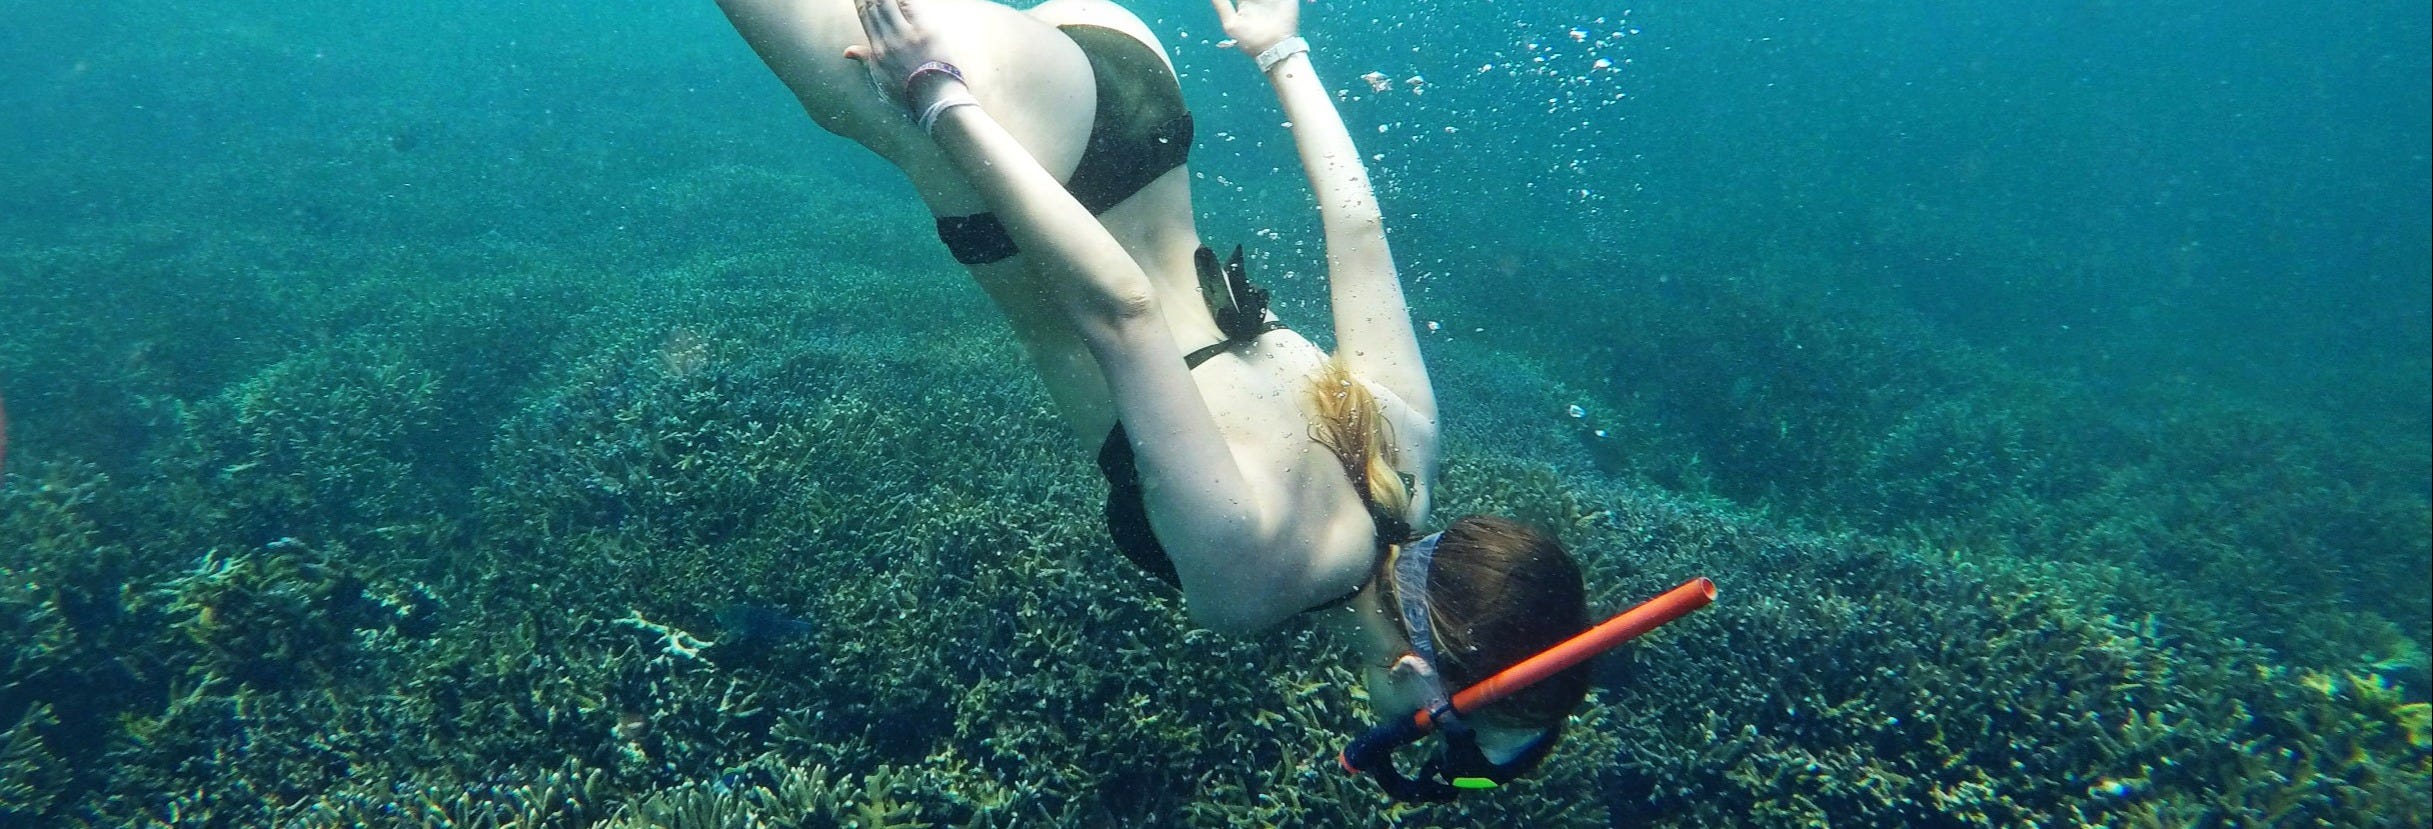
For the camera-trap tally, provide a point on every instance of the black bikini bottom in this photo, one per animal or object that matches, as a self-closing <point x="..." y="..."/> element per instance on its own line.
<point x="1141" y="130"/>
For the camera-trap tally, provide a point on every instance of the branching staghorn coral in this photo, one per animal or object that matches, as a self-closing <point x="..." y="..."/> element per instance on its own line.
<point x="733" y="432"/>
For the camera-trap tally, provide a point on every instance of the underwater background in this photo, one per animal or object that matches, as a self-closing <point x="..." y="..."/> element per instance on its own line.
<point x="464" y="414"/>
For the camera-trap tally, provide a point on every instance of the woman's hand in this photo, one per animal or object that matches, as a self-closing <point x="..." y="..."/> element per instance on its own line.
<point x="900" y="47"/>
<point x="1256" y="25"/>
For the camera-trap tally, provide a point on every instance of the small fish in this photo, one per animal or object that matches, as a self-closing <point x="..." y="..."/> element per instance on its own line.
<point x="749" y="622"/>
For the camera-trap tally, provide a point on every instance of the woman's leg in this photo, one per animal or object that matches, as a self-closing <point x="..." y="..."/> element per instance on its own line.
<point x="1029" y="77"/>
<point x="1100" y="13"/>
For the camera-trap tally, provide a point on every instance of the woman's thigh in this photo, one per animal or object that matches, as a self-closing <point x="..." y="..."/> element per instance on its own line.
<point x="1026" y="74"/>
<point x="1099" y="13"/>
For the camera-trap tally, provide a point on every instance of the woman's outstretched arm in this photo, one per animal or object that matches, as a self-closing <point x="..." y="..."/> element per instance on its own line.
<point x="1373" y="330"/>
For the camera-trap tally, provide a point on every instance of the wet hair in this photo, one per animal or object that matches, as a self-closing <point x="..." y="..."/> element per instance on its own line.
<point x="1354" y="426"/>
<point x="1500" y="592"/>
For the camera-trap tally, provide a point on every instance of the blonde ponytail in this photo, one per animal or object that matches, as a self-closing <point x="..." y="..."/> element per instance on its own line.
<point x="1354" y="427"/>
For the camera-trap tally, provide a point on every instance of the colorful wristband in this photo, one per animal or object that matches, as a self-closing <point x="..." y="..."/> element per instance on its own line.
<point x="936" y="67"/>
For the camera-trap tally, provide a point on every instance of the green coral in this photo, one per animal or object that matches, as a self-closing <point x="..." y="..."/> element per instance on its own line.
<point x="1839" y="413"/>
<point x="287" y="613"/>
<point x="2416" y="721"/>
<point x="31" y="777"/>
<point x="423" y="572"/>
<point x="767" y="793"/>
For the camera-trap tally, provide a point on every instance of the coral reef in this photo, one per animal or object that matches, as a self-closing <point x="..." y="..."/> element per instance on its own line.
<point x="466" y="565"/>
<point x="1839" y="414"/>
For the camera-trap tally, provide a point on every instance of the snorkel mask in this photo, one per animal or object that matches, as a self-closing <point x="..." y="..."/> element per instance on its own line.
<point x="1462" y="765"/>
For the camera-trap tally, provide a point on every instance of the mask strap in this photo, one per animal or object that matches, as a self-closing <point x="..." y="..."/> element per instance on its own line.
<point x="1411" y="597"/>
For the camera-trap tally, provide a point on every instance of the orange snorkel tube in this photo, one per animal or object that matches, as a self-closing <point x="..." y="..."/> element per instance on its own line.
<point x="1374" y="750"/>
<point x="1623" y="627"/>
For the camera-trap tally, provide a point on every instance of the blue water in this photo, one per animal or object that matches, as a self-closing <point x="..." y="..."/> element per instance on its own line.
<point x="2236" y="192"/>
<point x="2098" y="286"/>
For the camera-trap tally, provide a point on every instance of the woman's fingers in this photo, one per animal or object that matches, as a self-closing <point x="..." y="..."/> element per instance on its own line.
<point x="1224" y="11"/>
<point x="883" y="23"/>
<point x="891" y="13"/>
<point x="871" y="25"/>
<point x="893" y="41"/>
<point x="882" y="20"/>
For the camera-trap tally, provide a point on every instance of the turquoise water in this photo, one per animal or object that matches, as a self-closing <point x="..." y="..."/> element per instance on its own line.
<point x="393" y="390"/>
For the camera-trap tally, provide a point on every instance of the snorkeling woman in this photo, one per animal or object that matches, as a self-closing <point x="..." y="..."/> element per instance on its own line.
<point x="1260" y="475"/>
